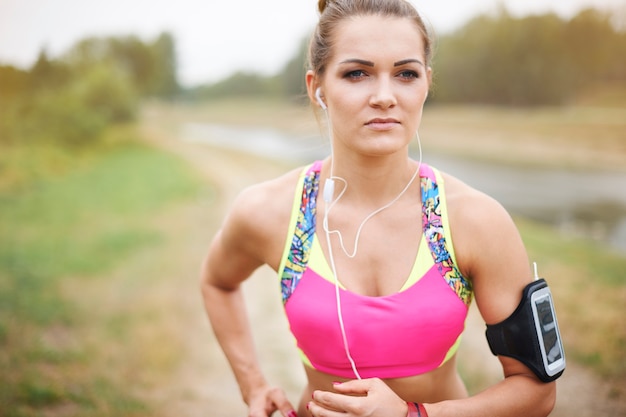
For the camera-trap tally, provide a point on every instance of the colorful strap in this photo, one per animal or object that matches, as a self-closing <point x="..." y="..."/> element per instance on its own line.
<point x="433" y="227"/>
<point x="302" y="238"/>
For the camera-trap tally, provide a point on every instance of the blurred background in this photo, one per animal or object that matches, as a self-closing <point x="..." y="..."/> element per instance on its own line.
<point x="127" y="128"/>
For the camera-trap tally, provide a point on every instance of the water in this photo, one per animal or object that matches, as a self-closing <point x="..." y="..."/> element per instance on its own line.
<point x="581" y="203"/>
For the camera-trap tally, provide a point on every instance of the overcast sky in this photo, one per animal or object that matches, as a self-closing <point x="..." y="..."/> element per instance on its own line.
<point x="215" y="37"/>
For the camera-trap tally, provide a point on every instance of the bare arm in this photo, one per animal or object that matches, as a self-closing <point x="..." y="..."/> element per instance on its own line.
<point x="240" y="247"/>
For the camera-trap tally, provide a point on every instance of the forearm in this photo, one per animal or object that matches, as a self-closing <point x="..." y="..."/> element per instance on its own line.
<point x="517" y="395"/>
<point x="227" y="314"/>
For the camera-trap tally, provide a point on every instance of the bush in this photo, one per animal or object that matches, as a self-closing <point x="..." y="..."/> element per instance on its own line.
<point x="76" y="114"/>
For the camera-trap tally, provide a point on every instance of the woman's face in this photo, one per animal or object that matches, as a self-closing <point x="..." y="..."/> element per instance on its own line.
<point x="375" y="84"/>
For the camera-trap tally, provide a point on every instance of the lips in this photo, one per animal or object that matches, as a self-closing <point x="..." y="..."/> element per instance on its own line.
<point x="382" y="124"/>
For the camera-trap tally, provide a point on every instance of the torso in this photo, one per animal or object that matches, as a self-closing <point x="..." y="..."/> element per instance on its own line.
<point x="436" y="384"/>
<point x="444" y="383"/>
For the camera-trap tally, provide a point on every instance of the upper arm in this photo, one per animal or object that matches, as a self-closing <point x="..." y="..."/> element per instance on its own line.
<point x="253" y="233"/>
<point x="232" y="256"/>
<point x="490" y="252"/>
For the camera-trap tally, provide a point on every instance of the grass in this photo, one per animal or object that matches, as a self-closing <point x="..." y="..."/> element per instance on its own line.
<point x="61" y="229"/>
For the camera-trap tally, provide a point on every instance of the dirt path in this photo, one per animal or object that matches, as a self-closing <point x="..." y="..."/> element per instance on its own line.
<point x="204" y="386"/>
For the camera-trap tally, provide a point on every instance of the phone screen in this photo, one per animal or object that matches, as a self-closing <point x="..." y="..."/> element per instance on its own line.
<point x="547" y="324"/>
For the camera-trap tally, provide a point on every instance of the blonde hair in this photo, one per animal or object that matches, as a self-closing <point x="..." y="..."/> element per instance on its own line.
<point x="332" y="12"/>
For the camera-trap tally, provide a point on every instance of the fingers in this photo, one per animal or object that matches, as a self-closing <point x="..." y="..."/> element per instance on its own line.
<point x="332" y="403"/>
<point x="279" y="399"/>
<point x="270" y="400"/>
<point x="317" y="410"/>
<point x="355" y="387"/>
<point x="371" y="397"/>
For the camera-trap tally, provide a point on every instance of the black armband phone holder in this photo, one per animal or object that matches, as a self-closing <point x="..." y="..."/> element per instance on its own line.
<point x="531" y="333"/>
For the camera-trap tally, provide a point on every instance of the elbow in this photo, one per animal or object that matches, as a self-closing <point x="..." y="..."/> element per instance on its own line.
<point x="204" y="287"/>
<point x="207" y="285"/>
<point x="211" y="286"/>
<point x="203" y="282"/>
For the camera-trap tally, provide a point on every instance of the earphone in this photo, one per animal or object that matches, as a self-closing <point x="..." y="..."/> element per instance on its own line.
<point x="318" y="97"/>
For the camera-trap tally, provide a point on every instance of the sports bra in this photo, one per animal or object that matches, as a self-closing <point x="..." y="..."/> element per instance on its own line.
<point x="411" y="332"/>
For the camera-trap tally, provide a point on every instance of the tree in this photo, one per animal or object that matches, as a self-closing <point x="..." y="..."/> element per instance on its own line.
<point x="535" y="60"/>
<point x="164" y="80"/>
<point x="151" y="67"/>
<point x="47" y="73"/>
<point x="595" y="47"/>
<point x="294" y="71"/>
<point x="13" y="82"/>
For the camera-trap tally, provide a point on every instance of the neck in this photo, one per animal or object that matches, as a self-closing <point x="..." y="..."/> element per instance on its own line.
<point x="364" y="196"/>
<point x="374" y="181"/>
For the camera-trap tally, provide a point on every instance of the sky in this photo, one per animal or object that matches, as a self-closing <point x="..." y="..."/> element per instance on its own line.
<point x="217" y="37"/>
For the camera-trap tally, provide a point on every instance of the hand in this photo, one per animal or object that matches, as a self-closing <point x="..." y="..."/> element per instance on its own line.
<point x="264" y="401"/>
<point x="367" y="397"/>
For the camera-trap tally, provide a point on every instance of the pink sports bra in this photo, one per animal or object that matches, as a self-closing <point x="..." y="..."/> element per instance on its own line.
<point x="408" y="333"/>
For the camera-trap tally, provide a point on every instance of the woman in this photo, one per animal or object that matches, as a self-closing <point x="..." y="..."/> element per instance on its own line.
<point x="373" y="341"/>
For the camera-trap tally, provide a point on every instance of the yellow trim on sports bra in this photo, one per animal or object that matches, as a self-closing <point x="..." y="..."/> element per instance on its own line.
<point x="423" y="262"/>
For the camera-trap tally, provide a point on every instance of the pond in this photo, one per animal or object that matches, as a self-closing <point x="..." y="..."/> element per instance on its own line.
<point x="581" y="203"/>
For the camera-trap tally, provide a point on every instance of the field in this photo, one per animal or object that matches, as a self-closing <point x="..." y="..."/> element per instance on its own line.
<point x="100" y="313"/>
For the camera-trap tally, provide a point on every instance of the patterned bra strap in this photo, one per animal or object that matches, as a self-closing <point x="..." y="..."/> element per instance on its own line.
<point x="302" y="237"/>
<point x="434" y="232"/>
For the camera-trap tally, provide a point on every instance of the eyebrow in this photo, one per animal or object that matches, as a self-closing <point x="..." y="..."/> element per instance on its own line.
<point x="358" y="61"/>
<point x="371" y="64"/>
<point x="408" y="61"/>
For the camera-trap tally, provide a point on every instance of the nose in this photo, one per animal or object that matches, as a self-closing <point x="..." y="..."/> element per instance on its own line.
<point x="383" y="95"/>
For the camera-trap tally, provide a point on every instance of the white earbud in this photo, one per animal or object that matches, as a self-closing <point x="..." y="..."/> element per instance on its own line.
<point x="318" y="96"/>
<point x="329" y="190"/>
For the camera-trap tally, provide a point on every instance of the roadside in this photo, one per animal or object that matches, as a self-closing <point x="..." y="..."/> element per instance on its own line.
<point x="203" y="384"/>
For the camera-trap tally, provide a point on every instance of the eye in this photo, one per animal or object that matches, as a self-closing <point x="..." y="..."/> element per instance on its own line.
<point x="355" y="75"/>
<point x="408" y="75"/>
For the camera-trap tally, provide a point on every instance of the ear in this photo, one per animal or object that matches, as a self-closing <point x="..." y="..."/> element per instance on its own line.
<point x="312" y="83"/>
<point x="429" y="75"/>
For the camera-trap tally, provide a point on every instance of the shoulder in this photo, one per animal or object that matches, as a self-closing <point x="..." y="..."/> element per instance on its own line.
<point x="259" y="217"/>
<point x="488" y="247"/>
<point x="473" y="212"/>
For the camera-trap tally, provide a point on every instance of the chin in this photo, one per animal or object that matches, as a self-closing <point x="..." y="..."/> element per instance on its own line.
<point x="383" y="146"/>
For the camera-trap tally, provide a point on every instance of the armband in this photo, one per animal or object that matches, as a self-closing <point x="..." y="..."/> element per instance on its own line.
<point x="531" y="333"/>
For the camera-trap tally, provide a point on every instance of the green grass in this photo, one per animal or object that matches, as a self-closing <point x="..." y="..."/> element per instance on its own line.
<point x="85" y="221"/>
<point x="76" y="222"/>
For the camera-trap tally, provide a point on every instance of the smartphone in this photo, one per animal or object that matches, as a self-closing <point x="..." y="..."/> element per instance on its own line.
<point x="547" y="328"/>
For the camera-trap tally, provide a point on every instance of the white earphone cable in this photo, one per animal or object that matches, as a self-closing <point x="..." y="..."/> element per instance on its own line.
<point x="338" y="300"/>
